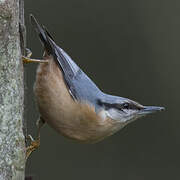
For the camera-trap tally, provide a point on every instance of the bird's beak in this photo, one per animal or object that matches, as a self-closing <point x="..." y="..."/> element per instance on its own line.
<point x="150" y="110"/>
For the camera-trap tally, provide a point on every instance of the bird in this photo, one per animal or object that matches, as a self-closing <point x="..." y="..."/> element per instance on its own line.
<point x="71" y="103"/>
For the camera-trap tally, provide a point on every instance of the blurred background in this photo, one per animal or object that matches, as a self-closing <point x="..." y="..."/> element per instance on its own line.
<point x="130" y="48"/>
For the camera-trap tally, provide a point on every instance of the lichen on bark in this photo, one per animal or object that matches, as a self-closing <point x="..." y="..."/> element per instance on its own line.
<point x="12" y="146"/>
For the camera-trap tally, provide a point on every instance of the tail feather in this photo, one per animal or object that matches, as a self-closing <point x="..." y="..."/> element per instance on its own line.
<point x="42" y="33"/>
<point x="53" y="49"/>
<point x="47" y="32"/>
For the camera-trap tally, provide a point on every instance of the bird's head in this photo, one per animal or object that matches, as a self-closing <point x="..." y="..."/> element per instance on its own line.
<point x="125" y="110"/>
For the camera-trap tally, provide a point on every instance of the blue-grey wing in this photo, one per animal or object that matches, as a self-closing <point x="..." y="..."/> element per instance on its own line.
<point x="81" y="87"/>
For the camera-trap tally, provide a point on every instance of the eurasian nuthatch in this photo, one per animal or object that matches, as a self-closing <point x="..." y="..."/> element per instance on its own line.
<point x="71" y="103"/>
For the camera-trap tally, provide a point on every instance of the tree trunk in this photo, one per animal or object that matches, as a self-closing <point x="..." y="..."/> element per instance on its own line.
<point x="12" y="141"/>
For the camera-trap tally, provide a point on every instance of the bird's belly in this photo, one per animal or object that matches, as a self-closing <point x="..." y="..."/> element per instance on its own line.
<point x="56" y="106"/>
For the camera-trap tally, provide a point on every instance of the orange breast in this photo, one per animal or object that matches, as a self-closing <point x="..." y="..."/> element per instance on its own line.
<point x="72" y="119"/>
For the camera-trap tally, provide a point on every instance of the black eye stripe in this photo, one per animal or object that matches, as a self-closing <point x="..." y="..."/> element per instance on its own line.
<point x="122" y="106"/>
<point x="108" y="105"/>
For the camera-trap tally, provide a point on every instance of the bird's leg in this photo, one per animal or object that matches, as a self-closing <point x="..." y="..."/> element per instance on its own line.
<point x="34" y="144"/>
<point x="26" y="59"/>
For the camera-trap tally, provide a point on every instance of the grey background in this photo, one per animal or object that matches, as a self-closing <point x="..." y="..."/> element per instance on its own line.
<point x="129" y="48"/>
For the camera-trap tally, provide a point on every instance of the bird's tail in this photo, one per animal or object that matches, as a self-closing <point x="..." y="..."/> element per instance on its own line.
<point x="43" y="34"/>
<point x="49" y="45"/>
<point x="68" y="67"/>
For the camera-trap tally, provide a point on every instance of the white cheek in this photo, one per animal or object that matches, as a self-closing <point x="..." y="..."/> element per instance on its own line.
<point x="128" y="111"/>
<point x="122" y="116"/>
<point x="103" y="114"/>
<point x="117" y="115"/>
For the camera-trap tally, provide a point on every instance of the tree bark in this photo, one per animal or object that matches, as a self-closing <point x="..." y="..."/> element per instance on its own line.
<point x="12" y="141"/>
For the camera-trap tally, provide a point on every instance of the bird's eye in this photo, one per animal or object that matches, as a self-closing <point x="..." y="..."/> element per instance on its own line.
<point x="126" y="105"/>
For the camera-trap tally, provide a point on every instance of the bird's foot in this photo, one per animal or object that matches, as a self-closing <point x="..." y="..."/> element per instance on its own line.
<point x="34" y="144"/>
<point x="29" y="60"/>
<point x="26" y="59"/>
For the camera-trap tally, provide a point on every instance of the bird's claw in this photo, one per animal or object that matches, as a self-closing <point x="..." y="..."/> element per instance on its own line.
<point x="28" y="53"/>
<point x="34" y="144"/>
<point x="26" y="59"/>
